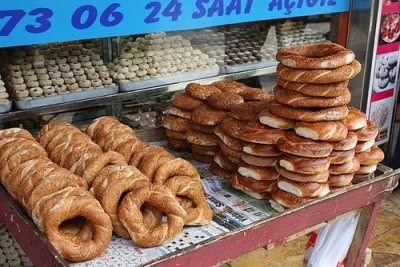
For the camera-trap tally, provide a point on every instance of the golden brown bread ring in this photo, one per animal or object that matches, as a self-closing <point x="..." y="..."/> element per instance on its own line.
<point x="175" y="123"/>
<point x="364" y="146"/>
<point x="230" y="86"/>
<point x="175" y="135"/>
<point x="355" y="120"/>
<point x="324" y="130"/>
<point x="15" y="133"/>
<point x="232" y="142"/>
<point x="186" y="102"/>
<point x="340" y="157"/>
<point x="366" y="169"/>
<point x="201" y="91"/>
<point x="351" y="166"/>
<point x="235" y="160"/>
<point x="293" y="144"/>
<point x="258" y="173"/>
<point x="301" y="177"/>
<point x="254" y="94"/>
<point x="288" y="200"/>
<point x="220" y="172"/>
<point x="310" y="115"/>
<point x="256" y="132"/>
<point x="340" y="180"/>
<point x="340" y="74"/>
<point x="130" y="147"/>
<point x="320" y="90"/>
<point x="151" y="162"/>
<point x="50" y="215"/>
<point x="203" y="128"/>
<point x="55" y="124"/>
<point x="104" y="127"/>
<point x="303" y="189"/>
<point x="187" y="187"/>
<point x="203" y="139"/>
<point x="370" y="132"/>
<point x="205" y="150"/>
<point x="295" y="99"/>
<point x="137" y="158"/>
<point x="176" y="167"/>
<point x="359" y="178"/>
<point x="202" y="158"/>
<point x="316" y="56"/>
<point x="226" y="150"/>
<point x="374" y="155"/>
<point x="248" y="111"/>
<point x="172" y="110"/>
<point x="304" y="165"/>
<point x="224" y="101"/>
<point x="93" y="127"/>
<point x="262" y="150"/>
<point x="259" y="161"/>
<point x="272" y="120"/>
<point x="248" y="184"/>
<point x="205" y="115"/>
<point x="178" y="144"/>
<point x="160" y="197"/>
<point x="224" y="162"/>
<point x="109" y="187"/>
<point x="259" y="196"/>
<point x="346" y="144"/>
<point x="232" y="127"/>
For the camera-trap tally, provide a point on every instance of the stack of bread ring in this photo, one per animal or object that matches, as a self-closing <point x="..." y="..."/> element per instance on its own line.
<point x="134" y="201"/>
<point x="311" y="97"/>
<point x="57" y="200"/>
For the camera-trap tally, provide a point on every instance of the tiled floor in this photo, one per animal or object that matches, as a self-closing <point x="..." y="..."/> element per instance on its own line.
<point x="385" y="243"/>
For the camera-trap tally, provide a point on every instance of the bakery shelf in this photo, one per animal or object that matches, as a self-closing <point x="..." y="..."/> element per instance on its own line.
<point x="269" y="231"/>
<point x="106" y="100"/>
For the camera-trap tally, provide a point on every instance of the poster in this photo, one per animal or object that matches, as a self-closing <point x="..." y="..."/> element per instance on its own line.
<point x="385" y="69"/>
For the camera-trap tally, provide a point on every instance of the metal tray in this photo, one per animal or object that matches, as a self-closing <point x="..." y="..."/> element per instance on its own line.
<point x="188" y="76"/>
<point x="5" y="107"/>
<point x="250" y="66"/>
<point x="58" y="99"/>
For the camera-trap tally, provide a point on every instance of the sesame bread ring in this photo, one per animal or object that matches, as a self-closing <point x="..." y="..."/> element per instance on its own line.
<point x="220" y="172"/>
<point x="30" y="78"/>
<point x="228" y="150"/>
<point x="348" y="143"/>
<point x="340" y="180"/>
<point x="370" y="132"/>
<point x="205" y="115"/>
<point x="57" y="81"/>
<point x="304" y="165"/>
<point x="258" y="173"/>
<point x="175" y="123"/>
<point x="325" y="130"/>
<point x="204" y="150"/>
<point x="80" y="78"/>
<point x="268" y="118"/>
<point x="295" y="99"/>
<point x="83" y="84"/>
<point x="259" y="161"/>
<point x="43" y="76"/>
<point x="319" y="90"/>
<point x="70" y="80"/>
<point x="316" y="56"/>
<point x="203" y="139"/>
<point x="16" y="73"/>
<point x="232" y="127"/>
<point x="262" y="150"/>
<point x="203" y="128"/>
<point x="96" y="83"/>
<point x="224" y="101"/>
<point x="303" y="189"/>
<point x="201" y="91"/>
<point x="340" y="74"/>
<point x="310" y="115"/>
<point x="171" y="109"/>
<point x="355" y="120"/>
<point x="178" y="144"/>
<point x="175" y="134"/>
<point x="293" y="144"/>
<point x="176" y="167"/>
<point x="37" y="91"/>
<point x="248" y="111"/>
<point x="233" y="159"/>
<point x="340" y="157"/>
<point x="224" y="162"/>
<point x="374" y="155"/>
<point x="228" y="140"/>
<point x="363" y="146"/>
<point x="288" y="200"/>
<point x="186" y="102"/>
<point x="351" y="166"/>
<point x="255" y="132"/>
<point x="254" y="94"/>
<point x="301" y="177"/>
<point x="45" y="83"/>
<point x="4" y="95"/>
<point x="241" y="182"/>
<point x="230" y="86"/>
<point x="366" y="169"/>
<point x="202" y="158"/>
<point x="359" y="178"/>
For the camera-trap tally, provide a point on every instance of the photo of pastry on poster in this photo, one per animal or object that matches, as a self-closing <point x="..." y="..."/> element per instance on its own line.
<point x="385" y="68"/>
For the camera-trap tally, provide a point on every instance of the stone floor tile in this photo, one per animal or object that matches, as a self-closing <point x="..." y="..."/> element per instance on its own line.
<point x="392" y="204"/>
<point x="386" y="260"/>
<point x="388" y="242"/>
<point x="384" y="222"/>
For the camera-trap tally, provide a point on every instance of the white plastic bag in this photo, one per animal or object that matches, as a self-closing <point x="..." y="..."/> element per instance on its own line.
<point x="328" y="246"/>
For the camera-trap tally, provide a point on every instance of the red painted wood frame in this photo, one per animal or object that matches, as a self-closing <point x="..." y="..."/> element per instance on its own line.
<point x="274" y="230"/>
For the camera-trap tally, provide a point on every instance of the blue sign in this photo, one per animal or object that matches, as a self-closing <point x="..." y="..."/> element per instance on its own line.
<point x="25" y="22"/>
